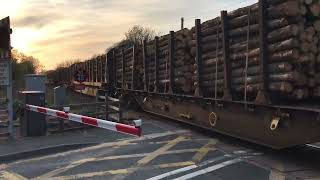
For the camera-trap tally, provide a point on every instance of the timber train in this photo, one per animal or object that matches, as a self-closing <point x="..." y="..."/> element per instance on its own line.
<point x="245" y="74"/>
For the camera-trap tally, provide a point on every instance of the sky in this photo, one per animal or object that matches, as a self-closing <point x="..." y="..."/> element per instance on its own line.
<point x="58" y="30"/>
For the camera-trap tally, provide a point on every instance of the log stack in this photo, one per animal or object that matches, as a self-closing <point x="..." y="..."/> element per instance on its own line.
<point x="183" y="62"/>
<point x="150" y="59"/>
<point x="133" y="67"/>
<point x="293" y="32"/>
<point x="118" y="67"/>
<point x="211" y="54"/>
<point x="293" y="45"/>
<point x="311" y="12"/>
<point x="162" y="62"/>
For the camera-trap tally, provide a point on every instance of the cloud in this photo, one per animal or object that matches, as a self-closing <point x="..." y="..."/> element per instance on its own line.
<point x="65" y="29"/>
<point x="36" y="21"/>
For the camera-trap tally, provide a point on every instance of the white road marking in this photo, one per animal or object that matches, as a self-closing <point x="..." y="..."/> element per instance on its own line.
<point x="209" y="169"/>
<point x="177" y="171"/>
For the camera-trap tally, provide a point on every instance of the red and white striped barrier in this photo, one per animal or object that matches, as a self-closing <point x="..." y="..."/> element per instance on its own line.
<point x="113" y="126"/>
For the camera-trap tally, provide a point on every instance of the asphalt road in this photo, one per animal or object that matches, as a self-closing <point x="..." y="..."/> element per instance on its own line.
<point x="167" y="150"/>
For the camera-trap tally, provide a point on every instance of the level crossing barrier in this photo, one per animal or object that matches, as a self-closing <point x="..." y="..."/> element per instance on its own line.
<point x="134" y="130"/>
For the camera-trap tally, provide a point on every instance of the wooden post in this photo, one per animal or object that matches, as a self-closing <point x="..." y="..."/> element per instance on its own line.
<point x="171" y="59"/>
<point x="123" y="69"/>
<point x="263" y="93"/>
<point x="198" y="91"/>
<point x="227" y="95"/>
<point x="145" y="66"/>
<point x="133" y="67"/>
<point x="156" y="46"/>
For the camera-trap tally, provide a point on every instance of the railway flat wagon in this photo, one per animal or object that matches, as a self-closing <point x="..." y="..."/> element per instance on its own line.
<point x="252" y="73"/>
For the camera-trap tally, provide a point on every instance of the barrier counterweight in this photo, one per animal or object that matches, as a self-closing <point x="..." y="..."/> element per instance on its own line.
<point x="113" y="126"/>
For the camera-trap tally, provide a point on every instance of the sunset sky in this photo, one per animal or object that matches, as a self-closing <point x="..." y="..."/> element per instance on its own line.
<point x="58" y="30"/>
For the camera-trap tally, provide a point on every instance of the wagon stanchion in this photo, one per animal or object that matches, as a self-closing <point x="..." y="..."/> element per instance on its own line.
<point x="263" y="93"/>
<point x="227" y="93"/>
<point x="156" y="64"/>
<point x="145" y="66"/>
<point x="171" y="63"/>
<point x="198" y="91"/>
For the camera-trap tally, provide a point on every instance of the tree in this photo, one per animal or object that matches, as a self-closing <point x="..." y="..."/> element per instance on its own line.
<point x="26" y="64"/>
<point x="67" y="63"/>
<point x="137" y="34"/>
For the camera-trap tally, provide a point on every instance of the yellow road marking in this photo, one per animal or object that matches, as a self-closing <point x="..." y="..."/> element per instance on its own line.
<point x="203" y="151"/>
<point x="82" y="161"/>
<point x="123" y="143"/>
<point x="186" y="139"/>
<point x="179" y="164"/>
<point x="6" y="175"/>
<point x="122" y="171"/>
<point x="159" y="151"/>
<point x="110" y="144"/>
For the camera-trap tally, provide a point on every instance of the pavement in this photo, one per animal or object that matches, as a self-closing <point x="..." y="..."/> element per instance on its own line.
<point x="167" y="150"/>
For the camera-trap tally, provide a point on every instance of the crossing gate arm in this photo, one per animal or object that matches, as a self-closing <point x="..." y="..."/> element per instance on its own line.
<point x="113" y="126"/>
